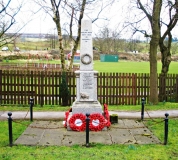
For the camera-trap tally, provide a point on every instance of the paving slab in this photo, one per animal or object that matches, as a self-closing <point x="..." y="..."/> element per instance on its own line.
<point x="47" y="133"/>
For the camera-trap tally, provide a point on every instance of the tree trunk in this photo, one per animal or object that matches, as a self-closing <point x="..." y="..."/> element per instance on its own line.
<point x="166" y="60"/>
<point x="155" y="24"/>
<point x="56" y="19"/>
<point x="153" y="72"/>
<point x="61" y="49"/>
<point x="165" y="54"/>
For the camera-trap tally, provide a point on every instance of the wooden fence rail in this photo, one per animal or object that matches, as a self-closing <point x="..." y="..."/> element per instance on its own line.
<point x="34" y="66"/>
<point x="17" y="86"/>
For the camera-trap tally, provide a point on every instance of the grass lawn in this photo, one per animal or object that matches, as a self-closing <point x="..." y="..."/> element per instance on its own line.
<point x="121" y="66"/>
<point x="148" y="107"/>
<point x="96" y="151"/>
<point x="131" y="67"/>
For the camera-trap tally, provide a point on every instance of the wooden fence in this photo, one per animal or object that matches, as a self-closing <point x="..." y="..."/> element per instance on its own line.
<point x="17" y="86"/>
<point x="34" y="66"/>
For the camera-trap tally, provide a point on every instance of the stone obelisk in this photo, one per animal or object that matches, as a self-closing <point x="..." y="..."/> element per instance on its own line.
<point x="86" y="98"/>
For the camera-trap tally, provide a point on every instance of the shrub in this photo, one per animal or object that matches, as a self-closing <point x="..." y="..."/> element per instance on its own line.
<point x="64" y="91"/>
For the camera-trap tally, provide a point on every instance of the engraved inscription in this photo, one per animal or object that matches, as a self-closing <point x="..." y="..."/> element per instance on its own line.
<point x="87" y="81"/>
<point x="86" y="35"/>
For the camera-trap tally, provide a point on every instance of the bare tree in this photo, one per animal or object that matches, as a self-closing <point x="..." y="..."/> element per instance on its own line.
<point x="154" y="12"/>
<point x="73" y="12"/>
<point x="107" y="41"/>
<point x="7" y="16"/>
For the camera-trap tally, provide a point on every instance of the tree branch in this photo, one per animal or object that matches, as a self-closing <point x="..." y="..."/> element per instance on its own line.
<point x="140" y="6"/>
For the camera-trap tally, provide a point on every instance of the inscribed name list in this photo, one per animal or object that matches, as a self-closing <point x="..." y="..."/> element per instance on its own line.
<point x="87" y="87"/>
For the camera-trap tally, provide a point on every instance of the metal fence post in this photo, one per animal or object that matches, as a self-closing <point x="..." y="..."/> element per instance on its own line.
<point x="142" y="110"/>
<point x="166" y="128"/>
<point x="31" y="108"/>
<point x="87" y="129"/>
<point x="10" y="129"/>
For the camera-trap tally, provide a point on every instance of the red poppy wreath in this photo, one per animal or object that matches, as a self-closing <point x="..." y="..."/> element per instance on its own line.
<point x="78" y="122"/>
<point x="97" y="122"/>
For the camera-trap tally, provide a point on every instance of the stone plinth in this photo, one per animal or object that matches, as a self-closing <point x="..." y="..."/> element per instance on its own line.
<point x="86" y="101"/>
<point x="86" y="86"/>
<point x="86" y="107"/>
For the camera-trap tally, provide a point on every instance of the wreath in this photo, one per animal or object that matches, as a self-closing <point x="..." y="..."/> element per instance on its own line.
<point x="78" y="122"/>
<point x="97" y="122"/>
<point x="86" y="55"/>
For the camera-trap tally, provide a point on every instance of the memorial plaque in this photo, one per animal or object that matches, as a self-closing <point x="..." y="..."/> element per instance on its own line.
<point x="88" y="87"/>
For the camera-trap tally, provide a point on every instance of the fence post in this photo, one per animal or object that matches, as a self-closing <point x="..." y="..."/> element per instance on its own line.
<point x="87" y="129"/>
<point x="166" y="128"/>
<point x="10" y="129"/>
<point x="42" y="88"/>
<point x="142" y="110"/>
<point x="31" y="108"/>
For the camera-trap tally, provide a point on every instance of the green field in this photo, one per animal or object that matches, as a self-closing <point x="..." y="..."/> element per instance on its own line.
<point x="131" y="67"/>
<point x="121" y="66"/>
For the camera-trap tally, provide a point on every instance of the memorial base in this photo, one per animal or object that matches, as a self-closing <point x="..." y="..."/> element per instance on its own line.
<point x="77" y="116"/>
<point x="86" y="107"/>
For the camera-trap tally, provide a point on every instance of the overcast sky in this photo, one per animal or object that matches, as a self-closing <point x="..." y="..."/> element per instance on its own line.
<point x="42" y="23"/>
